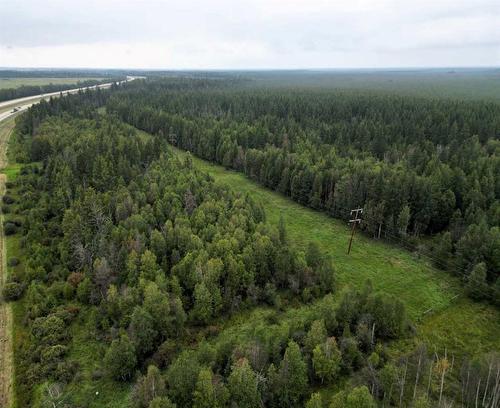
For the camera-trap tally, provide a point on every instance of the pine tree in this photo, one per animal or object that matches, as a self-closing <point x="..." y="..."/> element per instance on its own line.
<point x="204" y="395"/>
<point x="316" y="335"/>
<point x="313" y="255"/>
<point x="243" y="386"/>
<point x="142" y="330"/>
<point x="203" y="303"/>
<point x="292" y="376"/>
<point x="476" y="286"/>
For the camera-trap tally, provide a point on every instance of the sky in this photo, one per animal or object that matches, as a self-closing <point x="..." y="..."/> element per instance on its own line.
<point x="249" y="34"/>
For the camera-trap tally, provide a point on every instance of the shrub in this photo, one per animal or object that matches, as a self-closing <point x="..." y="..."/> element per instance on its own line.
<point x="5" y="209"/>
<point x="12" y="291"/>
<point x="17" y="222"/>
<point x="9" y="228"/>
<point x="120" y="360"/>
<point x="13" y="262"/>
<point x="7" y="199"/>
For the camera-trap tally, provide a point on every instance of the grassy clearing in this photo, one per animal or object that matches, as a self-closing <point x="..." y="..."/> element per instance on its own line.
<point x="462" y="326"/>
<point x="12" y="171"/>
<point x="93" y="388"/>
<point x="18" y="82"/>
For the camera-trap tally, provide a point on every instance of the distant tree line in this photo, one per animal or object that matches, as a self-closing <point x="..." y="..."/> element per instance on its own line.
<point x="418" y="166"/>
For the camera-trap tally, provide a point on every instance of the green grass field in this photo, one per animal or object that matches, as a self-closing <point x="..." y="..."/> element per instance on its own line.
<point x="454" y="322"/>
<point x="18" y="82"/>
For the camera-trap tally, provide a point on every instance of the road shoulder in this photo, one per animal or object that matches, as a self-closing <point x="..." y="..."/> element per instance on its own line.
<point x="6" y="356"/>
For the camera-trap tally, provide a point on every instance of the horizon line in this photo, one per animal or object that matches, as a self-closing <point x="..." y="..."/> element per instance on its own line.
<point x="250" y="69"/>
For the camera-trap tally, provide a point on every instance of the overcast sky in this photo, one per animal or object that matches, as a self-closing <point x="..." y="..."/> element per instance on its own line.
<point x="228" y="34"/>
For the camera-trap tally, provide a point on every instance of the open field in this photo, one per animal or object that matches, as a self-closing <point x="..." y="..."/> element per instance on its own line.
<point x="391" y="269"/>
<point x="18" y="82"/>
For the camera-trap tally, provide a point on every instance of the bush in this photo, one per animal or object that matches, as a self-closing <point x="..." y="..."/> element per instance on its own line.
<point x="13" y="262"/>
<point x="17" y="222"/>
<point x="66" y="371"/>
<point x="5" y="209"/>
<point x="9" y="228"/>
<point x="120" y="360"/>
<point x="7" y="199"/>
<point x="12" y="291"/>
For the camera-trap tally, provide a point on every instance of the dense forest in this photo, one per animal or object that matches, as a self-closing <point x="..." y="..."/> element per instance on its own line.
<point x="153" y="259"/>
<point x="418" y="166"/>
<point x="110" y="221"/>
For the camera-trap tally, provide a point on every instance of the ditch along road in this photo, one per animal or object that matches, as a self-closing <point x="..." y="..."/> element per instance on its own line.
<point x="6" y="355"/>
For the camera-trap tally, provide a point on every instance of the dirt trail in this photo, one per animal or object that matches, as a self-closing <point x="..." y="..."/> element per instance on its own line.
<point x="6" y="363"/>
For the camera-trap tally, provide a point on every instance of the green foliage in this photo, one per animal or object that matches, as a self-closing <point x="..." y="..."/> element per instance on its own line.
<point x="315" y="401"/>
<point x="335" y="151"/>
<point x="9" y="228"/>
<point x="243" y="386"/>
<point x="208" y="393"/>
<point x="143" y="331"/>
<point x="148" y="388"/>
<point x="120" y="359"/>
<point x="476" y="286"/>
<point x="161" y="402"/>
<point x="12" y="291"/>
<point x="203" y="309"/>
<point x="316" y="335"/>
<point x="182" y="376"/>
<point x="291" y="380"/>
<point x="326" y="360"/>
<point x="115" y="224"/>
<point x="360" y="397"/>
<point x="422" y="402"/>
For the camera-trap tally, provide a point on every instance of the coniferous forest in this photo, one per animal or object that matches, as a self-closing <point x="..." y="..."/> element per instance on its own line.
<point x="419" y="167"/>
<point x="141" y="281"/>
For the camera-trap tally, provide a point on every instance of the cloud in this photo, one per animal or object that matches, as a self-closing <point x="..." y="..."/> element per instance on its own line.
<point x="249" y="33"/>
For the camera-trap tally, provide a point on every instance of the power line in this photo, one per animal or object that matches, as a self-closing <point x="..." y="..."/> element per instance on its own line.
<point x="354" y="221"/>
<point x="408" y="246"/>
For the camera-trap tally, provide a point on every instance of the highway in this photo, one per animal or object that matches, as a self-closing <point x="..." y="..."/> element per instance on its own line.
<point x="14" y="106"/>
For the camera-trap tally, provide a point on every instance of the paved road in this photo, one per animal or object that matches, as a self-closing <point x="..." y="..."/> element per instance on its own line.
<point x="14" y="106"/>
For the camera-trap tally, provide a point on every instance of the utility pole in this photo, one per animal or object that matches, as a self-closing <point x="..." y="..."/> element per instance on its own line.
<point x="355" y="220"/>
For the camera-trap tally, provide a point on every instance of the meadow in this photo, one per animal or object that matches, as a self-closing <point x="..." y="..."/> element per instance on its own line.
<point x="435" y="300"/>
